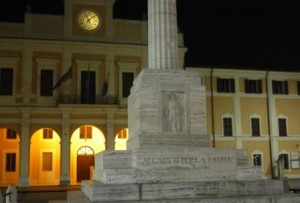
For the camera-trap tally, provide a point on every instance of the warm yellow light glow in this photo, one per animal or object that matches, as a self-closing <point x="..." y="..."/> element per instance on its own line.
<point x="95" y="142"/>
<point x="85" y="151"/>
<point x="44" y="170"/>
<point x="9" y="145"/>
<point x="121" y="139"/>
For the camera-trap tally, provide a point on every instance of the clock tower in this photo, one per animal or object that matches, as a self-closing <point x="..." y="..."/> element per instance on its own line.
<point x="88" y="19"/>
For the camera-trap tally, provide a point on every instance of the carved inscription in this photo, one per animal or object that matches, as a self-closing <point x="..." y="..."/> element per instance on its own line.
<point x="186" y="163"/>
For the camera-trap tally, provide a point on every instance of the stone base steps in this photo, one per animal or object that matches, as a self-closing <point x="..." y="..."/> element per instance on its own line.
<point x="97" y="191"/>
<point x="79" y="197"/>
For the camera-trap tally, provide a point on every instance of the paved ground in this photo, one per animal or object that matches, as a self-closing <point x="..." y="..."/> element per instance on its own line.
<point x="48" y="194"/>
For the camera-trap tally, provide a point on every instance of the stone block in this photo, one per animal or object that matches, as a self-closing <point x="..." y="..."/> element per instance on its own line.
<point x="113" y="176"/>
<point x="113" y="160"/>
<point x="249" y="173"/>
<point x="96" y="191"/>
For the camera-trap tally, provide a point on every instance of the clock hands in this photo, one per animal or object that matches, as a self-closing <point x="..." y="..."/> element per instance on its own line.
<point x="89" y="20"/>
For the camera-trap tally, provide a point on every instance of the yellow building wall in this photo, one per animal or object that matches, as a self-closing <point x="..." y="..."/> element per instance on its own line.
<point x="293" y="89"/>
<point x="222" y="106"/>
<point x="262" y="147"/>
<point x="291" y="109"/>
<point x="289" y="147"/>
<point x="8" y="146"/>
<point x="253" y="106"/>
<point x="38" y="146"/>
<point x="225" y="144"/>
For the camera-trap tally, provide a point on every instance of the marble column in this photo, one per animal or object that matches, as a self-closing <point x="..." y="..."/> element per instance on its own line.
<point x="162" y="34"/>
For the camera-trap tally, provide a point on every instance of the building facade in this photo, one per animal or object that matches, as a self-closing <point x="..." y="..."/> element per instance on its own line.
<point x="64" y="82"/>
<point x="257" y="111"/>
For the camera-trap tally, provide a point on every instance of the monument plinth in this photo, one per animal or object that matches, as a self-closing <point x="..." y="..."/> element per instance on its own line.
<point x="169" y="156"/>
<point x="167" y="109"/>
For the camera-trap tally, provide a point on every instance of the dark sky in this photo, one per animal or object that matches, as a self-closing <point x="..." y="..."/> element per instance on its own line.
<point x="252" y="34"/>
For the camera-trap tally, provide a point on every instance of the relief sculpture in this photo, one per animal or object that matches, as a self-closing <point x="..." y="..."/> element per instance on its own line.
<point x="173" y="112"/>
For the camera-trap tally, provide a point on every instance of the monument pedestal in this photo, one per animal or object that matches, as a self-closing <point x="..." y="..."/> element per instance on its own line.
<point x="167" y="108"/>
<point x="186" y="191"/>
<point x="168" y="154"/>
<point x="173" y="165"/>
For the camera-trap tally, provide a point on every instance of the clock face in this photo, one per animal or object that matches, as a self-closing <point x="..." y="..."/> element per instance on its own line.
<point x="89" y="20"/>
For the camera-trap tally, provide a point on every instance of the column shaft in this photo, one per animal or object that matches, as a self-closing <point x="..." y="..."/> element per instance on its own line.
<point x="162" y="34"/>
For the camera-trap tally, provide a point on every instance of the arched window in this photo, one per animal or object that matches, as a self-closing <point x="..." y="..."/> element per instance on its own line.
<point x="85" y="151"/>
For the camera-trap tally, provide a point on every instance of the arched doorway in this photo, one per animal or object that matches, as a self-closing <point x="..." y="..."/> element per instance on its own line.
<point x="85" y="139"/>
<point x="121" y="139"/>
<point x="45" y="157"/>
<point x="85" y="163"/>
<point x="9" y="157"/>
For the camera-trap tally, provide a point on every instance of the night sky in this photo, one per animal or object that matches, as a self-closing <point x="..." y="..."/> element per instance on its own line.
<point x="246" y="34"/>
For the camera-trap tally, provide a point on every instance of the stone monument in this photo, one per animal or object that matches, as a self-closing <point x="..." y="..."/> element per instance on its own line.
<point x="169" y="156"/>
<point x="11" y="194"/>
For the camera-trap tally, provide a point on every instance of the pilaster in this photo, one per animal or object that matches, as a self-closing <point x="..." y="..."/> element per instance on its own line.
<point x="110" y="137"/>
<point x="65" y="150"/>
<point x="24" y="148"/>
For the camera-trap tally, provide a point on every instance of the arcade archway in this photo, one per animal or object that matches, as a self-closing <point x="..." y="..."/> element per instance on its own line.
<point x="44" y="157"/>
<point x="121" y="139"/>
<point x="9" y="157"/>
<point x="85" y="140"/>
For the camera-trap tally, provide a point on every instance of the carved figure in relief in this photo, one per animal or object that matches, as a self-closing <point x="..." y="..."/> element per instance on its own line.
<point x="173" y="114"/>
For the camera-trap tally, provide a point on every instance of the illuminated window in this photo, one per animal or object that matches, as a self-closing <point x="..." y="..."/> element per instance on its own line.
<point x="285" y="158"/>
<point x="46" y="83"/>
<point x="122" y="134"/>
<point x="6" y="81"/>
<point x="225" y="85"/>
<point x="255" y="127"/>
<point x="127" y="81"/>
<point x="227" y="126"/>
<point x="256" y="159"/>
<point x="11" y="162"/>
<point x="11" y="134"/>
<point x="86" y="132"/>
<point x="282" y="129"/>
<point x="47" y="161"/>
<point x="85" y="151"/>
<point x="253" y="86"/>
<point x="280" y="87"/>
<point x="47" y="133"/>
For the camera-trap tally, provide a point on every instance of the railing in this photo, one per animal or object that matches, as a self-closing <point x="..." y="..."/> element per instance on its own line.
<point x="96" y="99"/>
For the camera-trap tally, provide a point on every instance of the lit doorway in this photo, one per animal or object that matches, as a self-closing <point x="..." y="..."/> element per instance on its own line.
<point x="85" y="163"/>
<point x="86" y="141"/>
